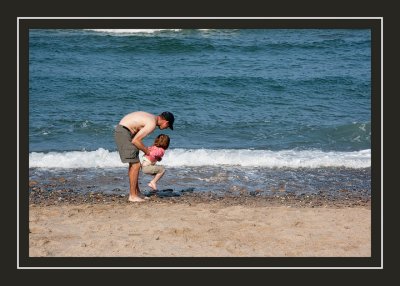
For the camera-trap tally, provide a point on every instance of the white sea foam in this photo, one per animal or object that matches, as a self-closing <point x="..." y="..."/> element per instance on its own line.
<point x="102" y="158"/>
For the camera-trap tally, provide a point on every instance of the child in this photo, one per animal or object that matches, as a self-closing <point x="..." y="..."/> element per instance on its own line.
<point x="157" y="151"/>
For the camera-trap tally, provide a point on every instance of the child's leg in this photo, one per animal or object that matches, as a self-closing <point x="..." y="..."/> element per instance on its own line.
<point x="153" y="183"/>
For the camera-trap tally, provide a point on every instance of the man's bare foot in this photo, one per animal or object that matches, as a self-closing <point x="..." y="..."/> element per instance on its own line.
<point x="136" y="199"/>
<point x="153" y="186"/>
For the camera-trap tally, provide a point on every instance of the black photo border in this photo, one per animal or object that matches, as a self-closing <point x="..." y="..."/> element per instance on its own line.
<point x="24" y="24"/>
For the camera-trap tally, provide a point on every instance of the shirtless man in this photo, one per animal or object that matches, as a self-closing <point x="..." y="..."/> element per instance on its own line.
<point x="129" y="133"/>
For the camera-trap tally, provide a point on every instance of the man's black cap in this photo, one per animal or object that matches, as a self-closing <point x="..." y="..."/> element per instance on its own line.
<point x="170" y="118"/>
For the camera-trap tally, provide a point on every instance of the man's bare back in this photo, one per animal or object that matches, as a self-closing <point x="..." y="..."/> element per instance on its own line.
<point x="135" y="121"/>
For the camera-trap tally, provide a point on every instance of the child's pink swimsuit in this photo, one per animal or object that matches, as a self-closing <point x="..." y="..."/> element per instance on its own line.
<point x="156" y="153"/>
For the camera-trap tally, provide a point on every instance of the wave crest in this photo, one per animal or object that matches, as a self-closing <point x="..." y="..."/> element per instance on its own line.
<point x="102" y="158"/>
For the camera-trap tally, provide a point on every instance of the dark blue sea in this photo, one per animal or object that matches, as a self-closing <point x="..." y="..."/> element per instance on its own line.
<point x="255" y="109"/>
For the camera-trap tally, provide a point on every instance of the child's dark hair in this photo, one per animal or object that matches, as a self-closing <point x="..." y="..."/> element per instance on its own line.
<point x="162" y="141"/>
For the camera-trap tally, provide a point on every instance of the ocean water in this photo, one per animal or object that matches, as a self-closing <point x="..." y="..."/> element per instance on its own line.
<point x="254" y="109"/>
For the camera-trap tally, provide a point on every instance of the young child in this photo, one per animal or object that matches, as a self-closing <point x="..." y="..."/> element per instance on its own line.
<point x="157" y="151"/>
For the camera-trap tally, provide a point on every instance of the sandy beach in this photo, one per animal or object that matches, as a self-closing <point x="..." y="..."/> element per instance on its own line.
<point x="198" y="226"/>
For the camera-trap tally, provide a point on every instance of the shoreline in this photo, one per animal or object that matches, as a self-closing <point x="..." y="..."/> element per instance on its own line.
<point x="40" y="195"/>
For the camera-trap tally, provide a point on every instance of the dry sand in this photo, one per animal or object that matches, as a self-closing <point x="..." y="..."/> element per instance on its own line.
<point x="198" y="228"/>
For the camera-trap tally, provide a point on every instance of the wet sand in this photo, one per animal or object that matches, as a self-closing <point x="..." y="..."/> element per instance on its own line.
<point x="65" y="224"/>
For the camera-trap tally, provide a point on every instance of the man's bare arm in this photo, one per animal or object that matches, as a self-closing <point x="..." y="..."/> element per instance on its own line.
<point x="137" y="139"/>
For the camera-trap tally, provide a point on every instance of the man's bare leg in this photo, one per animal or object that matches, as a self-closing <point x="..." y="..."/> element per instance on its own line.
<point x="133" y="173"/>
